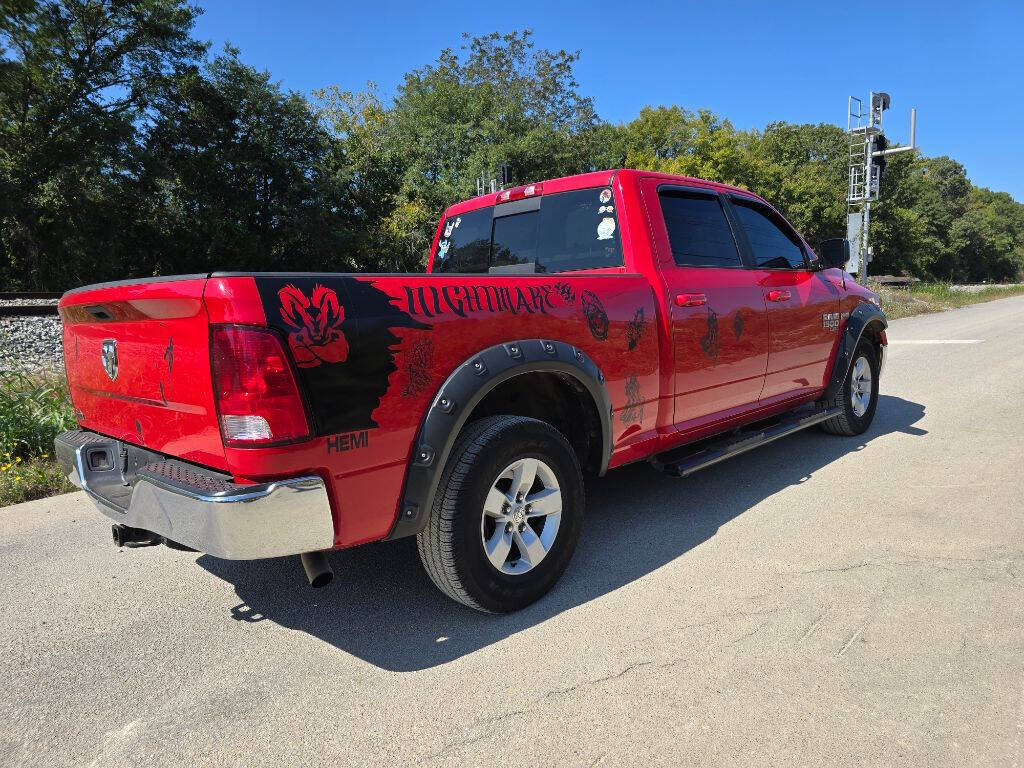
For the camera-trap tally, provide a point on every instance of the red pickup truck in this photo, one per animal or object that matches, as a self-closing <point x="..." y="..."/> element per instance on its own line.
<point x="564" y="328"/>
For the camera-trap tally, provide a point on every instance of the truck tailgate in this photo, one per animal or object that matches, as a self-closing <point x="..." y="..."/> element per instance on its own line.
<point x="138" y="365"/>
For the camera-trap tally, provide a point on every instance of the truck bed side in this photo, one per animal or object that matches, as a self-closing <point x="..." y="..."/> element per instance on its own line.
<point x="399" y="337"/>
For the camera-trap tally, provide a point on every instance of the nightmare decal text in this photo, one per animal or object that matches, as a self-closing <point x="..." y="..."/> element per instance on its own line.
<point x="460" y="300"/>
<point x="431" y="301"/>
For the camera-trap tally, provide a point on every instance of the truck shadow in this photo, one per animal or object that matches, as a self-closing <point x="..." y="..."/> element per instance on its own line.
<point x="384" y="609"/>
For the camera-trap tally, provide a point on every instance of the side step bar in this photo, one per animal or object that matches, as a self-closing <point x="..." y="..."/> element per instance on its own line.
<point x="685" y="461"/>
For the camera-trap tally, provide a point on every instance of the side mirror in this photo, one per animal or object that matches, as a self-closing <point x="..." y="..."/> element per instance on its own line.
<point x="834" y="252"/>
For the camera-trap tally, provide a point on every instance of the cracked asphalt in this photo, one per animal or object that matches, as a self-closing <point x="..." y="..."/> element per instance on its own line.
<point x="824" y="600"/>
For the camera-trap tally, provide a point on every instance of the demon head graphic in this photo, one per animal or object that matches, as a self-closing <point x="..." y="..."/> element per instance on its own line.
<point x="315" y="334"/>
<point x="345" y="337"/>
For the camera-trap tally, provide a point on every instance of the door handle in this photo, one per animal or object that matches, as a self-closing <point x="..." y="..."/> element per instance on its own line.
<point x="691" y="299"/>
<point x="778" y="296"/>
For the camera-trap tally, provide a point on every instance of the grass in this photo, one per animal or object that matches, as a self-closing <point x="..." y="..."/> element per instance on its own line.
<point x="33" y="479"/>
<point x="936" y="297"/>
<point x="34" y="409"/>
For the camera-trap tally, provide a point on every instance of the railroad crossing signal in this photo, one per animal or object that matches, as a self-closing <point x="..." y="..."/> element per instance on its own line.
<point x="489" y="182"/>
<point x="868" y="149"/>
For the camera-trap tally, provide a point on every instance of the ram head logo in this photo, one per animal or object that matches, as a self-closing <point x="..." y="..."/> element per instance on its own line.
<point x="108" y="355"/>
<point x="316" y="336"/>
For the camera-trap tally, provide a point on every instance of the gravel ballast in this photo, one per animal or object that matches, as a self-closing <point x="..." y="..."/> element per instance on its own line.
<point x="28" y="343"/>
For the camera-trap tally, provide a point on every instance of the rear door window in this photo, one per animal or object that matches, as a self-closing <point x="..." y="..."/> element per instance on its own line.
<point x="570" y="231"/>
<point x="514" y="243"/>
<point x="774" y="243"/>
<point x="698" y="232"/>
<point x="465" y="244"/>
<point x="579" y="230"/>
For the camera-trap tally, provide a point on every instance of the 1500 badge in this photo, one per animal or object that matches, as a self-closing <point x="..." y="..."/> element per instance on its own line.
<point x="831" y="320"/>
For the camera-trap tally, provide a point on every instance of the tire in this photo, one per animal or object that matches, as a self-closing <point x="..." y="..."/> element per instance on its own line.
<point x="850" y="422"/>
<point x="488" y="454"/>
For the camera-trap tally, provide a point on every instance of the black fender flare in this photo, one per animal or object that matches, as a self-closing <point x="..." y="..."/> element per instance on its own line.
<point x="863" y="317"/>
<point x="463" y="390"/>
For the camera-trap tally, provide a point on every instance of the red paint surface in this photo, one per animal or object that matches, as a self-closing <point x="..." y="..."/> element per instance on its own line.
<point x="683" y="386"/>
<point x="160" y="399"/>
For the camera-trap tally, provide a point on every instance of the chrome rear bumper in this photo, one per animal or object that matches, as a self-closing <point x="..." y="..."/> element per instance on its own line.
<point x="197" y="507"/>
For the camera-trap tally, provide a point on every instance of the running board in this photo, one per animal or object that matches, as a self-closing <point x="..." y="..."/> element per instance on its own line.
<point x="680" y="463"/>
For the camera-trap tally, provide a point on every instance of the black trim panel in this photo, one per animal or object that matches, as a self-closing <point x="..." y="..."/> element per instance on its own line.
<point x="513" y="207"/>
<point x="463" y="391"/>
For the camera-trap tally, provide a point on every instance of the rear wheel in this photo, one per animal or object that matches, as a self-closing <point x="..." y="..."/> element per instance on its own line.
<point x="506" y="516"/>
<point x="858" y="396"/>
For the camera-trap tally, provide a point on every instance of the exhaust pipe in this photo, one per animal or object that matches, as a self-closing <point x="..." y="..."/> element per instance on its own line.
<point x="125" y="536"/>
<point x="318" y="570"/>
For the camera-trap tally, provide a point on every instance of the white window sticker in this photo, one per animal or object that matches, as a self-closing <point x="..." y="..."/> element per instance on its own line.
<point x="606" y="228"/>
<point x="606" y="195"/>
<point x="448" y="228"/>
<point x="457" y="222"/>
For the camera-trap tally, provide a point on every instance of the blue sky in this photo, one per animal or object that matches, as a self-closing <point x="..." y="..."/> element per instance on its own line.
<point x="961" y="64"/>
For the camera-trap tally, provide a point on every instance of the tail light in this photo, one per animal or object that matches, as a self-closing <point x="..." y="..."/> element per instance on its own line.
<point x="518" y="193"/>
<point x="258" y="400"/>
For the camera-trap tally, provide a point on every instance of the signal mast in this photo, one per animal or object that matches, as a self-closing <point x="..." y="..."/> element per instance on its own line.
<point x="868" y="151"/>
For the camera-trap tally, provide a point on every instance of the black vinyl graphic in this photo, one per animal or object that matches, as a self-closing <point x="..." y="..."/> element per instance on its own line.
<point x="169" y="355"/>
<point x="633" y="413"/>
<point x="343" y="389"/>
<point x="419" y="363"/>
<point x="635" y="329"/>
<point x="463" y="300"/>
<point x="709" y="343"/>
<point x="597" y="318"/>
<point x="566" y="292"/>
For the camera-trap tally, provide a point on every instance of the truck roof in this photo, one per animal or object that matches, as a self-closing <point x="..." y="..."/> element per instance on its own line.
<point x="592" y="179"/>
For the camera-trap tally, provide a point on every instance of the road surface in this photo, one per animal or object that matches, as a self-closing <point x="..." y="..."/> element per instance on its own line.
<point x="837" y="601"/>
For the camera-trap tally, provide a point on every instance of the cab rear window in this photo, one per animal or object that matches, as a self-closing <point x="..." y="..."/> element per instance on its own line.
<point x="567" y="232"/>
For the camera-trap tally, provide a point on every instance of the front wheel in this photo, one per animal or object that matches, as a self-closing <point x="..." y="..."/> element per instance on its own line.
<point x="858" y="397"/>
<point x="506" y="516"/>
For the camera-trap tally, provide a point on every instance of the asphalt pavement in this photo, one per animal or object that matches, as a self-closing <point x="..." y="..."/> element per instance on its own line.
<point x="823" y="600"/>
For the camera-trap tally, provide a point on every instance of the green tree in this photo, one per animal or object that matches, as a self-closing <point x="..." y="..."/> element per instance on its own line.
<point x="126" y="151"/>
<point x="247" y="177"/>
<point x="495" y="100"/>
<point x="675" y="140"/>
<point x="801" y="169"/>
<point x="78" y="78"/>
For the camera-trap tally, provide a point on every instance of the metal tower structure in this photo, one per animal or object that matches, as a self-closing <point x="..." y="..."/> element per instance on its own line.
<point x="868" y="149"/>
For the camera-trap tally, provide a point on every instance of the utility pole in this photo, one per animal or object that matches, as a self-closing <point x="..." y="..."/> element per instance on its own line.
<point x="868" y="149"/>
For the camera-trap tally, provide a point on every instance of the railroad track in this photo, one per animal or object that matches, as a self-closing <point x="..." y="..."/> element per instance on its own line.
<point x="27" y="304"/>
